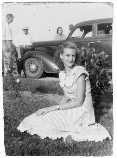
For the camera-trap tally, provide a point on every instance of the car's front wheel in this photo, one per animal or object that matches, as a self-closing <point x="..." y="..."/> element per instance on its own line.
<point x="33" y="67"/>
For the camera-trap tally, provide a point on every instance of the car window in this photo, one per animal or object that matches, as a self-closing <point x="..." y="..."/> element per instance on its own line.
<point x="77" y="33"/>
<point x="83" y="31"/>
<point x="89" y="34"/>
<point x="104" y="29"/>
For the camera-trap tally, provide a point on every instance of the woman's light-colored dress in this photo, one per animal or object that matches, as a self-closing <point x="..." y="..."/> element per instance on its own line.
<point x="79" y="122"/>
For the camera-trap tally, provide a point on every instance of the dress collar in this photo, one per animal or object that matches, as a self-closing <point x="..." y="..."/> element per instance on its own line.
<point x="72" y="71"/>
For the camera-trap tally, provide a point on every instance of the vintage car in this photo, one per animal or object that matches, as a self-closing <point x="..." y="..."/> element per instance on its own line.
<point x="41" y="57"/>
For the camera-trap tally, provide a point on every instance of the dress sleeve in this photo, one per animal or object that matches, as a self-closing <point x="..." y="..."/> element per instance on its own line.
<point x="80" y="71"/>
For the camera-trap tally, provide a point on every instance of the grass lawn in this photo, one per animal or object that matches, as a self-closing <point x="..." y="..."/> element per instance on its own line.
<point x="16" y="143"/>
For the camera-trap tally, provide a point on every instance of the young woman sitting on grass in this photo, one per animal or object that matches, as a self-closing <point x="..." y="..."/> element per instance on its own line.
<point x="74" y="116"/>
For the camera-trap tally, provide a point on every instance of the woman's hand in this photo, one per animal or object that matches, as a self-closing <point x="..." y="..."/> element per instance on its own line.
<point x="64" y="100"/>
<point x="44" y="111"/>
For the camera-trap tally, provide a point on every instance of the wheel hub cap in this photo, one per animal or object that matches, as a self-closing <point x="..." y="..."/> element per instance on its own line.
<point x="33" y="67"/>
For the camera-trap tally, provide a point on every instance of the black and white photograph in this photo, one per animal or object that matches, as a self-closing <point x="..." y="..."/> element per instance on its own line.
<point x="57" y="78"/>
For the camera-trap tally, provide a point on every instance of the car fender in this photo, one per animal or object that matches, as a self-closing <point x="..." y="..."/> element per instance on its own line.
<point x="49" y="65"/>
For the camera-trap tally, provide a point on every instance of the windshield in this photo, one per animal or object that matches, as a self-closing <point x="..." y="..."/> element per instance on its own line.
<point x="83" y="31"/>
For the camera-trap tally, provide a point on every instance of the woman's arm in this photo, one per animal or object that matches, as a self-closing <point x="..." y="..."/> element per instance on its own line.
<point x="44" y="111"/>
<point x="64" y="100"/>
<point x="81" y="88"/>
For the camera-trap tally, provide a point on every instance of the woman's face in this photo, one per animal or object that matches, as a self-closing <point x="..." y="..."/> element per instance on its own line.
<point x="25" y="31"/>
<point x="9" y="19"/>
<point x="60" y="31"/>
<point x="68" y="57"/>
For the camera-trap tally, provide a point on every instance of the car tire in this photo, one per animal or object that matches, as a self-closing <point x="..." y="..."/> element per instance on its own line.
<point x="33" y="67"/>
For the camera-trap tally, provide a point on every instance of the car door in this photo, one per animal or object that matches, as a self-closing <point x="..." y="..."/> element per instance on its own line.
<point x="104" y="36"/>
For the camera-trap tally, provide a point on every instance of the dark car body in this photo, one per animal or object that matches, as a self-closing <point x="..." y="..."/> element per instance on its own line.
<point x="92" y="33"/>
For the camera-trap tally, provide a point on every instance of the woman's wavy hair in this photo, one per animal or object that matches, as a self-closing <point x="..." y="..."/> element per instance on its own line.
<point x="10" y="15"/>
<point x="58" y="29"/>
<point x="67" y="44"/>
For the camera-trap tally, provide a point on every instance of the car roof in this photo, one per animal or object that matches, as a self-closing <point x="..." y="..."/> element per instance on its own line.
<point x="89" y="22"/>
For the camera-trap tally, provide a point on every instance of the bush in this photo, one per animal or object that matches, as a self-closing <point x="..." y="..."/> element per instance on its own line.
<point x="96" y="64"/>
